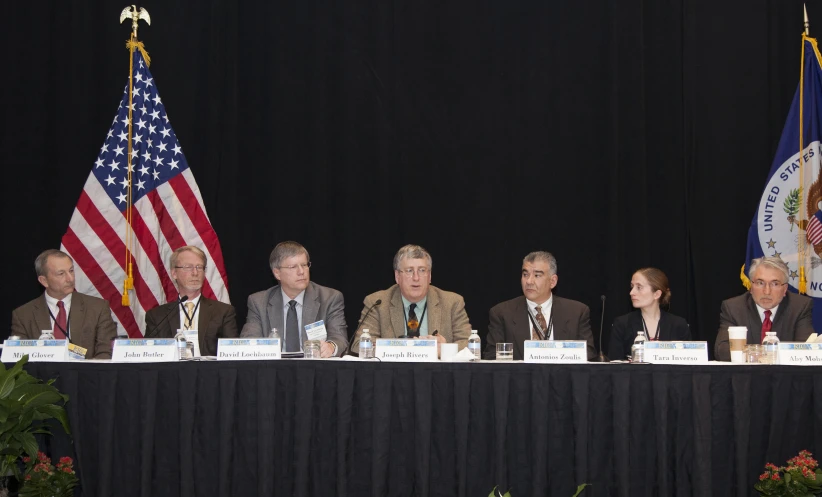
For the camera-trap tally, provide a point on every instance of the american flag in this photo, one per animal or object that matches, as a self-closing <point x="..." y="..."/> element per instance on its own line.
<point x="167" y="212"/>
<point x="814" y="230"/>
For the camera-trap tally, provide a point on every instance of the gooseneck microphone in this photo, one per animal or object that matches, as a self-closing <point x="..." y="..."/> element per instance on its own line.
<point x="378" y="302"/>
<point x="601" y="357"/>
<point x="179" y="301"/>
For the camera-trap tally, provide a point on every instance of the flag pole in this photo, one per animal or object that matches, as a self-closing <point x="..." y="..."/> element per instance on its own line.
<point x="131" y="44"/>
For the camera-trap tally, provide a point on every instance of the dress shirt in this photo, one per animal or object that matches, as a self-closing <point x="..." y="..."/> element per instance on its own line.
<point x="194" y="318"/>
<point x="418" y="311"/>
<point x="546" y="313"/>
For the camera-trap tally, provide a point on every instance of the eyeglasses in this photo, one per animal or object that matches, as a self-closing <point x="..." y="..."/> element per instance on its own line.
<point x="304" y="266"/>
<point x="422" y="271"/>
<point x="772" y="284"/>
<point x="188" y="269"/>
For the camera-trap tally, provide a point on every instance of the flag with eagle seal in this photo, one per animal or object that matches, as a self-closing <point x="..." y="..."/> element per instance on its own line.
<point x="788" y="221"/>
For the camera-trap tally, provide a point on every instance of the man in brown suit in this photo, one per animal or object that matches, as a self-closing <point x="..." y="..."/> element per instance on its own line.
<point x="413" y="307"/>
<point x="83" y="319"/>
<point x="211" y="318"/>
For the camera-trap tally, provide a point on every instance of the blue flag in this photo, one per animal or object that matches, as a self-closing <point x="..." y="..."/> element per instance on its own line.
<point x="788" y="222"/>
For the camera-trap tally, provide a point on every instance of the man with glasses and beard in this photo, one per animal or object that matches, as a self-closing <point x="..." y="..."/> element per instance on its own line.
<point x="413" y="307"/>
<point x="769" y="306"/>
<point x="211" y="318"/>
<point x="295" y="303"/>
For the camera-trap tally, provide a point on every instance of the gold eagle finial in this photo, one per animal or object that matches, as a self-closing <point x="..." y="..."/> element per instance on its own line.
<point x="135" y="15"/>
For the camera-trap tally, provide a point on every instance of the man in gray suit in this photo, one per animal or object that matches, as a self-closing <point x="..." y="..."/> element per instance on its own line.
<point x="83" y="319"/>
<point x="769" y="306"/>
<point x="296" y="303"/>
<point x="538" y="315"/>
<point x="413" y="307"/>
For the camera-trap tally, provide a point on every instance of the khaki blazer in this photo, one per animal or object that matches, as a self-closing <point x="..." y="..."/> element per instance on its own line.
<point x="446" y="314"/>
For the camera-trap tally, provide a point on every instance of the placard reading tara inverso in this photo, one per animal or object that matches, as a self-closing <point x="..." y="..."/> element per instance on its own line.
<point x="555" y="351"/>
<point x="676" y="352"/>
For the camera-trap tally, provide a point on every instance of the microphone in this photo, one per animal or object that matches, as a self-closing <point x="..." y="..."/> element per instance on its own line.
<point x="378" y="302"/>
<point x="601" y="357"/>
<point x="180" y="300"/>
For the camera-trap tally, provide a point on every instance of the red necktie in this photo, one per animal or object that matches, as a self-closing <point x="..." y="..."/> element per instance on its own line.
<point x="766" y="324"/>
<point x="60" y="321"/>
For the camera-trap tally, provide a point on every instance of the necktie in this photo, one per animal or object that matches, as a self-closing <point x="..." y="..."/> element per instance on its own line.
<point x="541" y="323"/>
<point x="60" y="321"/>
<point x="189" y="314"/>
<point x="292" y="331"/>
<point x="413" y="324"/>
<point x="766" y="324"/>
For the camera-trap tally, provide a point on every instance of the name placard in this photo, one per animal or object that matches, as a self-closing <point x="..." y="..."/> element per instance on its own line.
<point x="144" y="350"/>
<point x="248" y="349"/>
<point x="555" y="351"/>
<point x="38" y="350"/>
<point x="800" y="354"/>
<point x="676" y="352"/>
<point x="406" y="350"/>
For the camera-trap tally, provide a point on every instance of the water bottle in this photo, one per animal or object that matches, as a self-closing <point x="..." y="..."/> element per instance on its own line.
<point x="46" y="335"/>
<point x="474" y="345"/>
<point x="771" y="345"/>
<point x="638" y="349"/>
<point x="366" y="345"/>
<point x="182" y="344"/>
<point x="275" y="335"/>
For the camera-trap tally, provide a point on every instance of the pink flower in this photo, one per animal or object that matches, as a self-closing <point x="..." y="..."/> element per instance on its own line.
<point x="65" y="460"/>
<point x="776" y="477"/>
<point x="67" y="469"/>
<point x="26" y="459"/>
<point x="763" y="476"/>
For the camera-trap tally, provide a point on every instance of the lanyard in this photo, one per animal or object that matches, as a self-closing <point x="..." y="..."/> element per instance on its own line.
<point x="67" y="331"/>
<point x="549" y="328"/>
<point x="190" y="318"/>
<point x="418" y="321"/>
<point x="656" y="335"/>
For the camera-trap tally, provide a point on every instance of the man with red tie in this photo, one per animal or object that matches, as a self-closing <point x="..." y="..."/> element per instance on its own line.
<point x="84" y="320"/>
<point x="769" y="306"/>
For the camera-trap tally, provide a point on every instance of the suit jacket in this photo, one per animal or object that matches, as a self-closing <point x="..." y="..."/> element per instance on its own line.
<point x="265" y="311"/>
<point x="623" y="332"/>
<point x="509" y="323"/>
<point x="90" y="323"/>
<point x="446" y="314"/>
<point x="792" y="322"/>
<point x="215" y="320"/>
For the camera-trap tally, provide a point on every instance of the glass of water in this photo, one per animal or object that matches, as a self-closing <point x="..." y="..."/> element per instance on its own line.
<point x="311" y="349"/>
<point x="505" y="351"/>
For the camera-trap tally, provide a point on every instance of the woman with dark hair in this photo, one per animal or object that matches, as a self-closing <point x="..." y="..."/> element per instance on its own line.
<point x="649" y="291"/>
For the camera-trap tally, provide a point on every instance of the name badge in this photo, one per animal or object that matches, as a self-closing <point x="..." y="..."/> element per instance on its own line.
<point x="248" y="349"/>
<point x="800" y="354"/>
<point x="316" y="331"/>
<point x="37" y="350"/>
<point x="406" y="350"/>
<point x="676" y="352"/>
<point x="193" y="337"/>
<point x="144" y="350"/>
<point x="76" y="353"/>
<point x="555" y="351"/>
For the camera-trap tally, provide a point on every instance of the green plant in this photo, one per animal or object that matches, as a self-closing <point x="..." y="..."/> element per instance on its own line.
<point x="498" y="493"/>
<point x="43" y="479"/>
<point x="25" y="402"/>
<point x="800" y="478"/>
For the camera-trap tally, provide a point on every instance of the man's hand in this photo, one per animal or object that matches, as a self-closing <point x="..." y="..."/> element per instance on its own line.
<point x="327" y="349"/>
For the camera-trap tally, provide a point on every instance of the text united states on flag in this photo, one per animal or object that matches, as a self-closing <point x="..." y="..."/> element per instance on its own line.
<point x="167" y="213"/>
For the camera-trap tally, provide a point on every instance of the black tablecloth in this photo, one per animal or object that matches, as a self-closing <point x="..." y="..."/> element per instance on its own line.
<point x="375" y="429"/>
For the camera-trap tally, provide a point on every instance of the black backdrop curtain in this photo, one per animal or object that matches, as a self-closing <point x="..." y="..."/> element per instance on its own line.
<point x="615" y="134"/>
